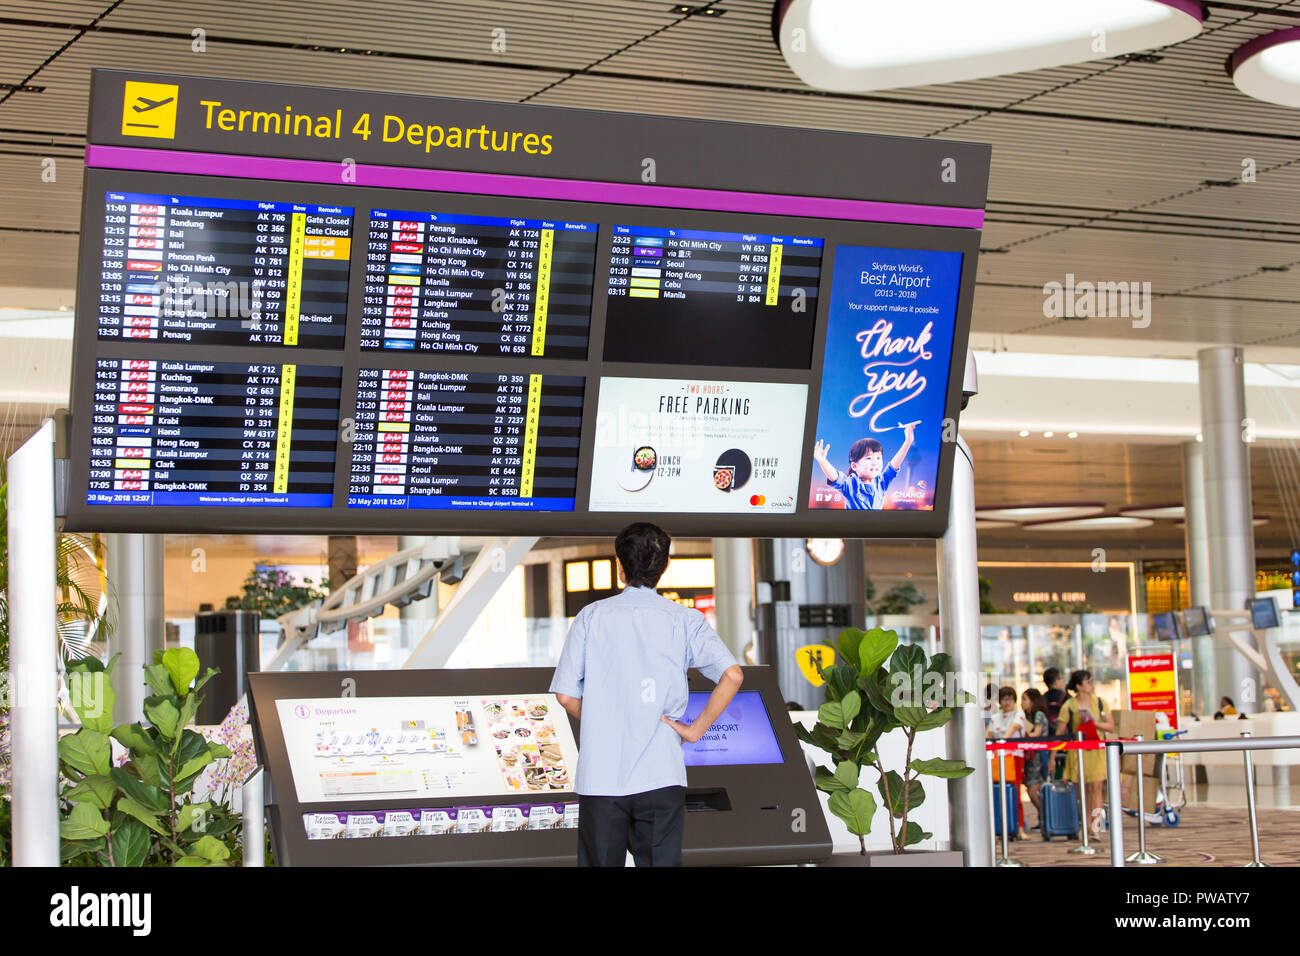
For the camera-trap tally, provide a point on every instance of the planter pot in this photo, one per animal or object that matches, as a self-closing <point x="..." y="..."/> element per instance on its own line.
<point x="886" y="858"/>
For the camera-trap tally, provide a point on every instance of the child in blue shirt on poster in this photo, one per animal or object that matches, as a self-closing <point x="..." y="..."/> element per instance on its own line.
<point x="863" y="485"/>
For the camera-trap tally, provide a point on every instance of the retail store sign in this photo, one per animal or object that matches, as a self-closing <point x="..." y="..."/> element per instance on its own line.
<point x="810" y="658"/>
<point x="1153" y="685"/>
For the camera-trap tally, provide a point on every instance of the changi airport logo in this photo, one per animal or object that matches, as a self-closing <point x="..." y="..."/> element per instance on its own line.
<point x="149" y="109"/>
<point x="1100" y="300"/>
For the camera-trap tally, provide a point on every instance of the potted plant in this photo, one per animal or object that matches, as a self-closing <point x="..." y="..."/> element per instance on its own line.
<point x="879" y="687"/>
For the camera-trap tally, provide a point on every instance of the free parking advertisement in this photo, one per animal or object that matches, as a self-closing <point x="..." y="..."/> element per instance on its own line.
<point x="884" y="385"/>
<point x="697" y="445"/>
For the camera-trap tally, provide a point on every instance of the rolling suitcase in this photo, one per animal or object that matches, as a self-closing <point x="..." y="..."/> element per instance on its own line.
<point x="1008" y="806"/>
<point x="1060" y="800"/>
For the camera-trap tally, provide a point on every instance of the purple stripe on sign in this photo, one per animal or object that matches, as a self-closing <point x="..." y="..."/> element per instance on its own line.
<point x="530" y="187"/>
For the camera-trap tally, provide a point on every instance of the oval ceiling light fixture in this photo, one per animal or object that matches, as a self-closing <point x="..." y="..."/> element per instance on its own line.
<point x="1099" y="523"/>
<point x="1256" y="521"/>
<point x="1268" y="67"/>
<point x="851" y="46"/>
<point x="1038" y="512"/>
<point x="1158" y="512"/>
<point x="983" y="525"/>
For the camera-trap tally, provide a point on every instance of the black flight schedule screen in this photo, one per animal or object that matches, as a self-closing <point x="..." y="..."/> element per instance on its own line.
<point x="224" y="271"/>
<point x="478" y="285"/>
<point x="213" y="433"/>
<point x="695" y="297"/>
<point x="465" y="440"/>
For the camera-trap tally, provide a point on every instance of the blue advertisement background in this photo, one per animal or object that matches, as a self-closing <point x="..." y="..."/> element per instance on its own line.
<point x="847" y="374"/>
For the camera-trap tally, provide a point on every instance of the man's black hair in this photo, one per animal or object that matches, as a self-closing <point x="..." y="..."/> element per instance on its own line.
<point x="642" y="549"/>
<point x="1051" y="676"/>
<point x="863" y="447"/>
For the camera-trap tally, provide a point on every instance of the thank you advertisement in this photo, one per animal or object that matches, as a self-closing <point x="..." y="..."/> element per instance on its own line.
<point x="697" y="445"/>
<point x="889" y="344"/>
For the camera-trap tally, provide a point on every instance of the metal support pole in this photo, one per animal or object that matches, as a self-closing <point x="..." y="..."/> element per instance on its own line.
<point x="1250" y="808"/>
<point x="254" y="813"/>
<point x="33" y="652"/>
<point x="1114" y="749"/>
<point x="1083" y="849"/>
<point x="1001" y="796"/>
<point x="993" y="840"/>
<point x="1141" y="856"/>
<point x="134" y="570"/>
<point x="959" y="621"/>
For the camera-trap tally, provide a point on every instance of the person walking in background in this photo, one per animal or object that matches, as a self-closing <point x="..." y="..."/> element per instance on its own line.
<point x="1085" y="712"/>
<point x="1035" y="708"/>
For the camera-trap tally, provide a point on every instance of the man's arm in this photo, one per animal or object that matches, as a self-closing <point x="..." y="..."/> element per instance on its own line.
<point x="572" y="704"/>
<point x="723" y="692"/>
<point x="567" y="683"/>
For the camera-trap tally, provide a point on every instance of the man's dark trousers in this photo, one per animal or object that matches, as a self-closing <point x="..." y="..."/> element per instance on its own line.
<point x="650" y="824"/>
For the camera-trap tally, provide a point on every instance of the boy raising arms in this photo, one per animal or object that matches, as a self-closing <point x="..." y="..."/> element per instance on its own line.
<point x="863" y="485"/>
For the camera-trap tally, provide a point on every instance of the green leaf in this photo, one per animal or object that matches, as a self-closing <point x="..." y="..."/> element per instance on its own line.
<point x="141" y="813"/>
<point x="847" y="645"/>
<point x="875" y="694"/>
<point x="938" y="767"/>
<point x="847" y="773"/>
<point x="907" y="658"/>
<point x="894" y="799"/>
<point x="910" y="716"/>
<point x="71" y="849"/>
<point x="940" y="664"/>
<point x="83" y="823"/>
<point x="850" y="705"/>
<point x="135" y="739"/>
<point x="193" y="766"/>
<point x="140" y="791"/>
<point x="92" y="697"/>
<point x="855" y="808"/>
<point x="823" y="779"/>
<point x="874" y="649"/>
<point x="95" y="789"/>
<point x="840" y="679"/>
<point x="212" y="850"/>
<point x="87" y="751"/>
<point x="130" y="844"/>
<point x="158" y="679"/>
<point x="221" y="752"/>
<point x="210" y="673"/>
<point x="935" y="719"/>
<point x="188" y="813"/>
<point x="182" y="667"/>
<point x="189" y="709"/>
<point x="147" y="767"/>
<point x="849" y="739"/>
<point x="163" y="715"/>
<point x="831" y="714"/>
<point x="913" y="834"/>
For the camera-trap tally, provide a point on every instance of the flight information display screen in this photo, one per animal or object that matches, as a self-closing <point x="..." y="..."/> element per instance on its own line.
<point x="465" y="440"/>
<point x="213" y="433"/>
<point x="699" y="297"/>
<point x="478" y="285"/>
<point x="209" y="271"/>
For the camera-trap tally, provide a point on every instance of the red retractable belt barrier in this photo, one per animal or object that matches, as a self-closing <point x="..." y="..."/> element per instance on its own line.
<point x="1029" y="744"/>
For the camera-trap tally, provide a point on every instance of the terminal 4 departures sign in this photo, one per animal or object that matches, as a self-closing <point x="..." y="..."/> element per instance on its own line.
<point x="314" y="310"/>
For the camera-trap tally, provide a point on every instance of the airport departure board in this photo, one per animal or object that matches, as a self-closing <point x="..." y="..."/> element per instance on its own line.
<point x="465" y="440"/>
<point x="339" y="317"/>
<point x="213" y="433"/>
<point x="213" y="271"/>
<point x="478" y="285"/>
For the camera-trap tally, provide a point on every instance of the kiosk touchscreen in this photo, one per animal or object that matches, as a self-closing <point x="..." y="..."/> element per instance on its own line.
<point x="449" y="767"/>
<point x="1263" y="613"/>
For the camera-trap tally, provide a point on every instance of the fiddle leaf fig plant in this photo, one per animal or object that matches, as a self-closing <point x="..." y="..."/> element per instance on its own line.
<point x="882" y="686"/>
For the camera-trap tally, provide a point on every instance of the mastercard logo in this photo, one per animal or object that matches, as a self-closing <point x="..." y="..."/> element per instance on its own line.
<point x="757" y="500"/>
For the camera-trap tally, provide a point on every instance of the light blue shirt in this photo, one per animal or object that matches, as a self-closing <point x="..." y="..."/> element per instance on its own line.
<point x="626" y="658"/>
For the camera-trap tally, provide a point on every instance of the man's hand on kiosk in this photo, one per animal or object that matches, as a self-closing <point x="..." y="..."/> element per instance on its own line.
<point x="722" y="695"/>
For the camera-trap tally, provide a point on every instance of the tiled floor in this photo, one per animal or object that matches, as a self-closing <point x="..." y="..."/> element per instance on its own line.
<point x="1205" y="836"/>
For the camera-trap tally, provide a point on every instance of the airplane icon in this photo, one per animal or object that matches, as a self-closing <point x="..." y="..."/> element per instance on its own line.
<point x="149" y="109"/>
<point x="150" y="104"/>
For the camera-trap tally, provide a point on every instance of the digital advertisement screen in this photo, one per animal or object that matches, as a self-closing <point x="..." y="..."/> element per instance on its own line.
<point x="465" y="440"/>
<point x="353" y="748"/>
<point x="880" y="424"/>
<point x="1263" y="613"/>
<point x="1166" y="626"/>
<point x="479" y="285"/>
<point x="224" y="271"/>
<point x="699" y="297"/>
<point x="742" y="734"/>
<point x="697" y="445"/>
<point x="1196" y="622"/>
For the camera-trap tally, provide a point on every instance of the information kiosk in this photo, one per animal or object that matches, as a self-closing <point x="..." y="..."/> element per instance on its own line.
<point x="460" y="766"/>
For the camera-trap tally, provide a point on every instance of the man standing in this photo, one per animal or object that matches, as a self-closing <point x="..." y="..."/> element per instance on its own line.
<point x="622" y="673"/>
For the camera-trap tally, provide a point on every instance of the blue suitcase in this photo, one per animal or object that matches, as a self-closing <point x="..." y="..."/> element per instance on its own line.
<point x="1060" y="802"/>
<point x="1010" y="799"/>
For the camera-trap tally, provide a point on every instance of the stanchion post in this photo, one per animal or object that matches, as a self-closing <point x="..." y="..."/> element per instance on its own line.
<point x="993" y="830"/>
<point x="1114" y="749"/>
<point x="254" y="813"/>
<point x="1141" y="856"/>
<point x="1250" y="809"/>
<point x="1001" y="795"/>
<point x="1083" y="849"/>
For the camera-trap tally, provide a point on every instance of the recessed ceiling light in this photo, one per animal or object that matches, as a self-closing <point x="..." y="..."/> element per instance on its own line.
<point x="1200" y="437"/>
<point x="1024" y="433"/>
<point x="1268" y="67"/>
<point x="1039" y="512"/>
<point x="1098" y="523"/>
<point x="1073" y="435"/>
<point x="851" y="46"/>
<point x="1048" y="434"/>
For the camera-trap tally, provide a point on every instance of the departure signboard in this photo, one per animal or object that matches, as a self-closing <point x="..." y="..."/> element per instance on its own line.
<point x="478" y="285"/>
<point x="701" y="297"/>
<point x="224" y="272"/>
<point x="213" y="433"/>
<point x="465" y="440"/>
